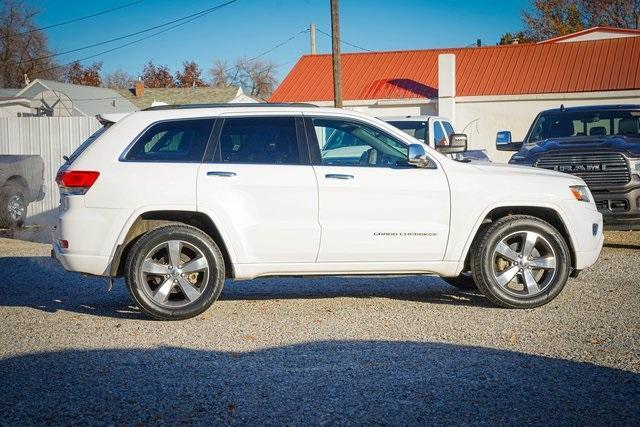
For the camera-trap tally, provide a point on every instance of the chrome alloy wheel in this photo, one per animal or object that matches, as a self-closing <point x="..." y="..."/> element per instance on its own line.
<point x="524" y="263"/>
<point x="16" y="208"/>
<point x="174" y="273"/>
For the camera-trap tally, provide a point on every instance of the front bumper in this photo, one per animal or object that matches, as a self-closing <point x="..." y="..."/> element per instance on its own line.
<point x="620" y="207"/>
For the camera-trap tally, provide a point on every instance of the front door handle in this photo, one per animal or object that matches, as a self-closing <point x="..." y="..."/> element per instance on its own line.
<point x="338" y="176"/>
<point x="221" y="173"/>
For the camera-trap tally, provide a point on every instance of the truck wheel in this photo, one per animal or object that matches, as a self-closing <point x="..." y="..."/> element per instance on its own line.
<point x="13" y="205"/>
<point x="174" y="272"/>
<point x="521" y="262"/>
<point x="464" y="281"/>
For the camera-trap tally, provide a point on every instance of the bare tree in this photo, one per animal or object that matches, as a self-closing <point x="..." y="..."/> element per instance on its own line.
<point x="257" y="77"/>
<point x="23" y="48"/>
<point x="552" y="18"/>
<point x="612" y="13"/>
<point x="219" y="74"/>
<point x="119" y="79"/>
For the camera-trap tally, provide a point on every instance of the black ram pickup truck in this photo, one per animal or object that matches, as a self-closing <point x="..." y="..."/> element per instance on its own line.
<point x="600" y="144"/>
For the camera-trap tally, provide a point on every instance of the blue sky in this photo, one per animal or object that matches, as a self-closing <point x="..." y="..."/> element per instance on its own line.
<point x="250" y="27"/>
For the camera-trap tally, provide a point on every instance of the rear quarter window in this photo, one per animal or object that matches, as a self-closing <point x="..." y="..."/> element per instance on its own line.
<point x="172" y="141"/>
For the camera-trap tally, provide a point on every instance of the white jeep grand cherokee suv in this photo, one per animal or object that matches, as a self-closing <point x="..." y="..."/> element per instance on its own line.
<point x="176" y="198"/>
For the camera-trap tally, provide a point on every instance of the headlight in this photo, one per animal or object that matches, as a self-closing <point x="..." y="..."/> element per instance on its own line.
<point x="635" y="166"/>
<point x="581" y="193"/>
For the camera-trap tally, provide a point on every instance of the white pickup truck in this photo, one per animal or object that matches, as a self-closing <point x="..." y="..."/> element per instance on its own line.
<point x="177" y="198"/>
<point x="437" y="132"/>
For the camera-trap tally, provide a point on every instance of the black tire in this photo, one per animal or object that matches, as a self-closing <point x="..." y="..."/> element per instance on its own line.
<point x="139" y="283"/>
<point x="484" y="264"/>
<point x="464" y="281"/>
<point x="13" y="205"/>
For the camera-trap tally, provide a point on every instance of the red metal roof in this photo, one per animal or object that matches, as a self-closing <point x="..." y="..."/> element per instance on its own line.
<point x="614" y="30"/>
<point x="600" y="65"/>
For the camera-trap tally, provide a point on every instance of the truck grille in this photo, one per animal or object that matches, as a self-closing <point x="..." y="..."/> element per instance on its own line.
<point x="597" y="169"/>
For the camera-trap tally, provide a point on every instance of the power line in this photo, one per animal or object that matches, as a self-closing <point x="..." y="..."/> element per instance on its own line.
<point x="75" y="19"/>
<point x="266" y="52"/>
<point x="134" y="41"/>
<point x="193" y="15"/>
<point x="345" y="42"/>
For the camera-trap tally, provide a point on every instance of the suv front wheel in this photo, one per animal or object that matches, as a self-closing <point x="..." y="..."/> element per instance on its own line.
<point x="175" y="272"/>
<point x="521" y="262"/>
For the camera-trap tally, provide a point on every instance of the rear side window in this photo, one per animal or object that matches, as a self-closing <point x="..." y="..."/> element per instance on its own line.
<point x="172" y="141"/>
<point x="262" y="140"/>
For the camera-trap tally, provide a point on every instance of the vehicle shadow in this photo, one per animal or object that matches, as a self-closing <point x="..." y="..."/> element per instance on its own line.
<point x="326" y="382"/>
<point x="41" y="283"/>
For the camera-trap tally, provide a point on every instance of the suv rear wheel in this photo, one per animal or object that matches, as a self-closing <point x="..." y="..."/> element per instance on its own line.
<point x="175" y="272"/>
<point x="521" y="262"/>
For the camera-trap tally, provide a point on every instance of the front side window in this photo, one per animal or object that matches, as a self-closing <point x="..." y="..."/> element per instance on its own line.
<point x="173" y="141"/>
<point x="448" y="129"/>
<point x="261" y="140"/>
<point x="438" y="135"/>
<point x="345" y="143"/>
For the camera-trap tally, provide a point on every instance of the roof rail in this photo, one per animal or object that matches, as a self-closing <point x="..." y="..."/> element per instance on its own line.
<point x="227" y="105"/>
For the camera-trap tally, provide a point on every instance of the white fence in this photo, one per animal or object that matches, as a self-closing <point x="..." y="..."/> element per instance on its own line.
<point x="51" y="138"/>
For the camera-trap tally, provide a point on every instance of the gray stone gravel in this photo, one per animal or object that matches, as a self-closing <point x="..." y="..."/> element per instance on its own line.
<point x="404" y="350"/>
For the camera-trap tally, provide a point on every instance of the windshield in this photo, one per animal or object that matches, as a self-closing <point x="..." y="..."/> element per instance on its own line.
<point x="86" y="143"/>
<point x="418" y="130"/>
<point x="585" y="123"/>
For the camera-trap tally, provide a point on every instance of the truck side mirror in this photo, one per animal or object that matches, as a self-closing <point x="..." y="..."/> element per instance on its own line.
<point x="504" y="143"/>
<point x="457" y="144"/>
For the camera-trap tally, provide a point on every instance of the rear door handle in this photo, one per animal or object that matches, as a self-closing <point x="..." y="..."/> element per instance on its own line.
<point x="221" y="173"/>
<point x="338" y="176"/>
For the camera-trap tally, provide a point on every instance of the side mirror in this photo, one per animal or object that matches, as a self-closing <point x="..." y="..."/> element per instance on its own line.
<point x="457" y="144"/>
<point x="417" y="156"/>
<point x="503" y="142"/>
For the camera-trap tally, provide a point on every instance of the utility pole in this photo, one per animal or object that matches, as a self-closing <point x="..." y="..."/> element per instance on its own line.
<point x="335" y="54"/>
<point x="312" y="35"/>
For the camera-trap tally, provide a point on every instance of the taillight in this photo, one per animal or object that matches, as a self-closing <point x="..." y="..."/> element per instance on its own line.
<point x="76" y="182"/>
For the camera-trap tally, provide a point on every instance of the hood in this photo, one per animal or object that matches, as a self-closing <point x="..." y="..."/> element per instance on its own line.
<point x="512" y="170"/>
<point x="619" y="143"/>
<point x="512" y="173"/>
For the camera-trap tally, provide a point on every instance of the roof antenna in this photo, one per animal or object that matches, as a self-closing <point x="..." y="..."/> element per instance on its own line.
<point x="561" y="107"/>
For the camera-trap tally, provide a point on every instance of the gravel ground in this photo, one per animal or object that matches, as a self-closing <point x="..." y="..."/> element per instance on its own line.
<point x="407" y="350"/>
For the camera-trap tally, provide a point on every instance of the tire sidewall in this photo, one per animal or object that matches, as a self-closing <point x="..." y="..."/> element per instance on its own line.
<point x="9" y="191"/>
<point x="563" y="263"/>
<point x="156" y="237"/>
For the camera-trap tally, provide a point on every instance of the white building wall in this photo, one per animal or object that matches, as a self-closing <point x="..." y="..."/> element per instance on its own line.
<point x="596" y="35"/>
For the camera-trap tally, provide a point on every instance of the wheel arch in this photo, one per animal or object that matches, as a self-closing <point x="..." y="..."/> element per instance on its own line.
<point x="545" y="213"/>
<point x="18" y="179"/>
<point x="152" y="219"/>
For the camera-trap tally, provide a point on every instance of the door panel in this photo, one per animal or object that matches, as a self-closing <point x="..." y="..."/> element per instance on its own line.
<point x="270" y="212"/>
<point x="374" y="207"/>
<point x="382" y="214"/>
<point x="264" y="196"/>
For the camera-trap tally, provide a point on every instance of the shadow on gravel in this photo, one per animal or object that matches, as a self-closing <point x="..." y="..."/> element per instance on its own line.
<point x="41" y="283"/>
<point x="621" y="246"/>
<point x="330" y="382"/>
